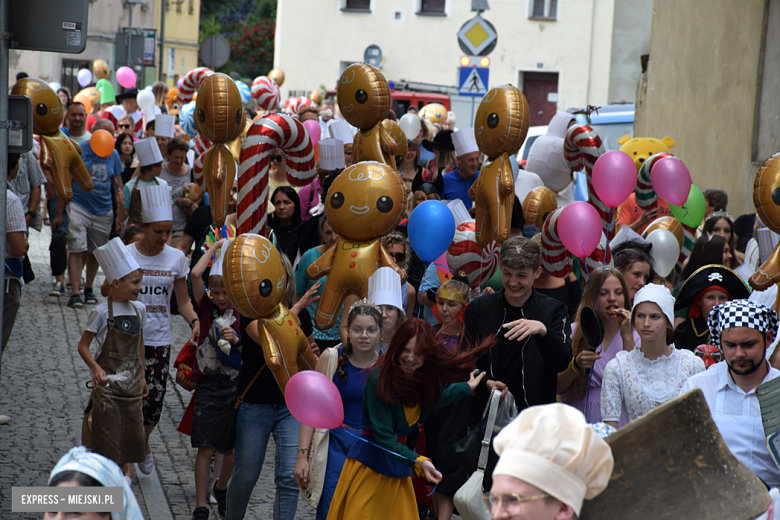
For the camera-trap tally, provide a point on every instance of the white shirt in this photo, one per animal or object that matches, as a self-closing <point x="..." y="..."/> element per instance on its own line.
<point x="738" y="417"/>
<point x="160" y="273"/>
<point x="125" y="320"/>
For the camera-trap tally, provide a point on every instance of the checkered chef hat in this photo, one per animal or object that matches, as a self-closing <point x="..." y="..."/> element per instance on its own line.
<point x="740" y="313"/>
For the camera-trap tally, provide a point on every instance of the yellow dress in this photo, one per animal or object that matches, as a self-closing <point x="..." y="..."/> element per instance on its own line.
<point x="363" y="493"/>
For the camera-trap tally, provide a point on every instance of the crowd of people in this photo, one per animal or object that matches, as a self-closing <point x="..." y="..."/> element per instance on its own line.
<point x="416" y="362"/>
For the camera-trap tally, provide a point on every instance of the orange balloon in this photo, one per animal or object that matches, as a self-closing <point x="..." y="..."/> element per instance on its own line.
<point x="102" y="143"/>
<point x="84" y="100"/>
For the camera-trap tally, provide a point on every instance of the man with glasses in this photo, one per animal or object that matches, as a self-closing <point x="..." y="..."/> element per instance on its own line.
<point x="550" y="461"/>
<point x="742" y="329"/>
<point x="129" y="106"/>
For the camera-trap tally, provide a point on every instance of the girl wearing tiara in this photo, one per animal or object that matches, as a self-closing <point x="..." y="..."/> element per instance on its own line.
<point x="364" y="330"/>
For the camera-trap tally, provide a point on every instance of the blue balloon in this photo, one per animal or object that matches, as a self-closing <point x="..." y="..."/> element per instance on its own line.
<point x="246" y="93"/>
<point x="431" y="229"/>
<point x="186" y="119"/>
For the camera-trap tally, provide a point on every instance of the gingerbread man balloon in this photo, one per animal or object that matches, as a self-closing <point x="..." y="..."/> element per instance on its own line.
<point x="500" y="127"/>
<point x="219" y="118"/>
<point x="365" y="202"/>
<point x="364" y="100"/>
<point x="58" y="152"/>
<point x="255" y="282"/>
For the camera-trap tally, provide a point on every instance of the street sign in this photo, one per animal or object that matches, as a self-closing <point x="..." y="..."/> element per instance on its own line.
<point x="477" y="37"/>
<point x="214" y="51"/>
<point x="473" y="81"/>
<point x="373" y="55"/>
<point x="48" y="25"/>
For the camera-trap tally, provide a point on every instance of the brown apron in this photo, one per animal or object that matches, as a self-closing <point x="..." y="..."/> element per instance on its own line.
<point x="116" y="430"/>
<point x="136" y="214"/>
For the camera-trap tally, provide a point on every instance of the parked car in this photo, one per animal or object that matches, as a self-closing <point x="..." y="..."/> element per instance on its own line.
<point x="610" y="121"/>
<point x="533" y="133"/>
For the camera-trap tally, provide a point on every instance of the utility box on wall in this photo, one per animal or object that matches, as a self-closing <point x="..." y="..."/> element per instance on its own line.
<point x="49" y="25"/>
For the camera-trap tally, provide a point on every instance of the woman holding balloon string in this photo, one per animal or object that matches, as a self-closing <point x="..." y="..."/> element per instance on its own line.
<point x="580" y="384"/>
<point x="416" y="375"/>
<point x="364" y="327"/>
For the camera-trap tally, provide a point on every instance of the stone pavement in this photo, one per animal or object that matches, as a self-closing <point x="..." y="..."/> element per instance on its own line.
<point x="42" y="388"/>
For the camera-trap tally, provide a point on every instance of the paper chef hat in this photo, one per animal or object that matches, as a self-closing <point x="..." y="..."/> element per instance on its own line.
<point x="157" y="205"/>
<point x="459" y="211"/>
<point x="115" y="260"/>
<point x="384" y="288"/>
<point x="219" y="257"/>
<point x="163" y="125"/>
<point x="331" y="154"/>
<point x="464" y="141"/>
<point x="148" y="152"/>
<point x="339" y="129"/>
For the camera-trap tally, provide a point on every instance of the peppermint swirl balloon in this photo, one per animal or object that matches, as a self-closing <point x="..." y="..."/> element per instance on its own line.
<point x="187" y="119"/>
<point x="465" y="255"/>
<point x="246" y="93"/>
<point x="265" y="92"/>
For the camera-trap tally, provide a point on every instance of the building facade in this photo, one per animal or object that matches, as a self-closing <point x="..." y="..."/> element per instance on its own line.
<point x="561" y="53"/>
<point x="713" y="84"/>
<point x="107" y="20"/>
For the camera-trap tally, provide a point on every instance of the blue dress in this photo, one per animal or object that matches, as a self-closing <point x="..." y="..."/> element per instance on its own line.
<point x="340" y="441"/>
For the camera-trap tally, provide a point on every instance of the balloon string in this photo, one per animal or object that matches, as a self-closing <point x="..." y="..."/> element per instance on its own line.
<point x="423" y="463"/>
<point x="73" y="214"/>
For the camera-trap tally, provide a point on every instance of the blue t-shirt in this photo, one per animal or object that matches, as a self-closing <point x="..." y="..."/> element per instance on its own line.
<point x="103" y="170"/>
<point x="430" y="280"/>
<point x="456" y="187"/>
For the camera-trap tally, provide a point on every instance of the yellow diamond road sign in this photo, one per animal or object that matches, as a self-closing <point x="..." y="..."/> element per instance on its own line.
<point x="476" y="35"/>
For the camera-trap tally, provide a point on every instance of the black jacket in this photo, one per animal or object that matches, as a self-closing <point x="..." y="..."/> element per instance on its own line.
<point x="530" y="367"/>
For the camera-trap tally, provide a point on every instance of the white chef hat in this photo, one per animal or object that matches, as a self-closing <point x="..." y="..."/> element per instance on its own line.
<point x="331" y="154"/>
<point x="148" y="152"/>
<point x="115" y="260"/>
<point x="157" y="203"/>
<point x="339" y="129"/>
<point x="553" y="448"/>
<point x="219" y="257"/>
<point x="163" y="125"/>
<point x="659" y="295"/>
<point x="384" y="288"/>
<point x="464" y="141"/>
<point x="459" y="211"/>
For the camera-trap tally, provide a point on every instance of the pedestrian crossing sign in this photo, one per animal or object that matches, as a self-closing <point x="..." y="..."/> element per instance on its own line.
<point x="473" y="81"/>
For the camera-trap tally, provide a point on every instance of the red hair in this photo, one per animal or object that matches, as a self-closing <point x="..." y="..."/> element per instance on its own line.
<point x="441" y="367"/>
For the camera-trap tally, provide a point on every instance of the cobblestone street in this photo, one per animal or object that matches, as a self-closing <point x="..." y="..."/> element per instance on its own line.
<point x="42" y="388"/>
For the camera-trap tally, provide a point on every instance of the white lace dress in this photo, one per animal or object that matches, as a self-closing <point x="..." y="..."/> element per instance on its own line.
<point x="644" y="384"/>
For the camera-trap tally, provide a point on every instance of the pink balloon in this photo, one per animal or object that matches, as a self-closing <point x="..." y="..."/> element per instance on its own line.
<point x="614" y="177"/>
<point x="579" y="227"/>
<point x="313" y="127"/>
<point x="671" y="180"/>
<point x="125" y="77"/>
<point x="314" y="400"/>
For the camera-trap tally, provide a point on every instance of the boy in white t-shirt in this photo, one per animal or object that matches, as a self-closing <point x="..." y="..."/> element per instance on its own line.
<point x="150" y="160"/>
<point x="116" y="430"/>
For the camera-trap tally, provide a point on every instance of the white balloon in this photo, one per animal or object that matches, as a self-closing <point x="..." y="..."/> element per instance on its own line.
<point x="665" y="252"/>
<point x="55" y="86"/>
<point x="410" y="124"/>
<point x="84" y="77"/>
<point x="145" y="100"/>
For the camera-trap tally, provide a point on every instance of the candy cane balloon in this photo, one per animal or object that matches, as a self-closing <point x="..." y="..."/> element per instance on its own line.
<point x="582" y="147"/>
<point x="465" y="255"/>
<point x="265" y="135"/>
<point x="201" y="144"/>
<point x="266" y="93"/>
<point x="191" y="82"/>
<point x="294" y="105"/>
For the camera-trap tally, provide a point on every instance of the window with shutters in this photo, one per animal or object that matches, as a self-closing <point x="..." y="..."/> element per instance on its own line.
<point x="543" y="10"/>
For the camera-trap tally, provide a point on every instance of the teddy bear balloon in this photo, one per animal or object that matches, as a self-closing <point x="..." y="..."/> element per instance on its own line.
<point x="58" y="152"/>
<point x="364" y="100"/>
<point x="219" y="118"/>
<point x="255" y="282"/>
<point x="500" y="127"/>
<point x="365" y="202"/>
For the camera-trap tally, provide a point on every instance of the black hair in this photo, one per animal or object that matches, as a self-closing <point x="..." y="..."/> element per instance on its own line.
<point x="358" y="310"/>
<point x="518" y="220"/>
<point x="150" y="125"/>
<point x="120" y="139"/>
<point x="627" y="253"/>
<point x="13" y="160"/>
<point x="80" y="478"/>
<point x="21" y="75"/>
<point x="707" y="250"/>
<point x="131" y="231"/>
<point x="326" y="183"/>
<point x="718" y="199"/>
<point x="273" y="220"/>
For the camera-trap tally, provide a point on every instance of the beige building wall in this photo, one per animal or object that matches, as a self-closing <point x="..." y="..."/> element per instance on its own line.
<point x="182" y="25"/>
<point x="702" y="88"/>
<point x="314" y="39"/>
<point x="106" y="18"/>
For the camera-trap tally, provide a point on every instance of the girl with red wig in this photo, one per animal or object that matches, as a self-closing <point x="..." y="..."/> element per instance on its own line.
<point x="417" y="374"/>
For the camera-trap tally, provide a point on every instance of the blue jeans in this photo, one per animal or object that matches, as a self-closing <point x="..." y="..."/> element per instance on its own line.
<point x="255" y="424"/>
